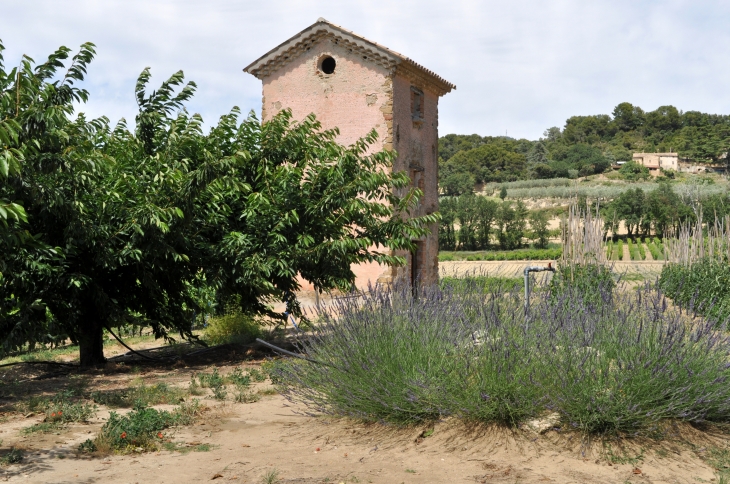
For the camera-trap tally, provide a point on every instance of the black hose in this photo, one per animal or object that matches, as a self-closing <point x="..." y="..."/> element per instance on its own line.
<point x="294" y="355"/>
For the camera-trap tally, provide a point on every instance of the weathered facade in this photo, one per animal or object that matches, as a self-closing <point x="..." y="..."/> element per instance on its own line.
<point x="356" y="85"/>
<point x="655" y="162"/>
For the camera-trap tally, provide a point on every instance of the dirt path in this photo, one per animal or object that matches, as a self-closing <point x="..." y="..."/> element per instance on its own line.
<point x="271" y="437"/>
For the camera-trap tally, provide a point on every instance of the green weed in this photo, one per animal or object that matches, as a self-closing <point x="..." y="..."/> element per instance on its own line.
<point x="13" y="456"/>
<point x="270" y="477"/>
<point x="140" y="394"/>
<point x="143" y="428"/>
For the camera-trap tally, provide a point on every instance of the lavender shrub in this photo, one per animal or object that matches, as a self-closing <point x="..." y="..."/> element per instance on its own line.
<point x="620" y="362"/>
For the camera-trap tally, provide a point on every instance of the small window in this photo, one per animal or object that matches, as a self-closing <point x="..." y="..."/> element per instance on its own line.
<point x="327" y="65"/>
<point x="416" y="104"/>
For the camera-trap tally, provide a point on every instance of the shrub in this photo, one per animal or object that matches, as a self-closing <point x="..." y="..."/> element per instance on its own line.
<point x="642" y="251"/>
<point x="591" y="282"/>
<point x="703" y="287"/>
<point x="142" y="428"/>
<point x="13" y="456"/>
<point x="233" y="327"/>
<point x="620" y="249"/>
<point x="618" y="366"/>
<point x="59" y="411"/>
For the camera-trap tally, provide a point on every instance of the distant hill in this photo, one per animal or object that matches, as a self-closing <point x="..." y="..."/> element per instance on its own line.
<point x="586" y="145"/>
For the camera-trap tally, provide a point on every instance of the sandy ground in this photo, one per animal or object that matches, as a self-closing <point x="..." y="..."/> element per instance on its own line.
<point x="249" y="441"/>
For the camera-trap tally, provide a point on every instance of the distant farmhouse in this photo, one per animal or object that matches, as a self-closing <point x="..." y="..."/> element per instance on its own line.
<point x="656" y="162"/>
<point x="356" y="85"/>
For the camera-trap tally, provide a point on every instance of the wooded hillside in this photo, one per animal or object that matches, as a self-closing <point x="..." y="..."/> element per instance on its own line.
<point x="586" y="145"/>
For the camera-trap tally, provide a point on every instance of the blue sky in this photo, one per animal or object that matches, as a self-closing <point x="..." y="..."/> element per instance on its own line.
<point x="520" y="66"/>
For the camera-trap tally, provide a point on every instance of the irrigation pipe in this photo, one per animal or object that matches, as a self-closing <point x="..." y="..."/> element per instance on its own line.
<point x="294" y="355"/>
<point x="153" y="358"/>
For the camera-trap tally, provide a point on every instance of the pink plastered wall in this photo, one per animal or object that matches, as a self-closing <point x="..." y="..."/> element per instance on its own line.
<point x="350" y="99"/>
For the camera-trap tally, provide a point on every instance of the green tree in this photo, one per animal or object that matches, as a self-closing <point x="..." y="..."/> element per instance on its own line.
<point x="511" y="224"/>
<point x="503" y="192"/>
<point x="447" y="232"/>
<point x="129" y="224"/>
<point x="664" y="118"/>
<point x="665" y="210"/>
<point x="630" y="207"/>
<point x="456" y="184"/>
<point x="633" y="171"/>
<point x="539" y="229"/>
<point x="538" y="154"/>
<point x="628" y="117"/>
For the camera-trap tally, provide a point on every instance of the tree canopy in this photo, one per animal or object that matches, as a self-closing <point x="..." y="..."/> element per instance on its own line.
<point x="104" y="226"/>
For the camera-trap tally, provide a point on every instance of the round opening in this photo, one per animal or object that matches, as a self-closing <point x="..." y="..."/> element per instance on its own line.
<point x="328" y="65"/>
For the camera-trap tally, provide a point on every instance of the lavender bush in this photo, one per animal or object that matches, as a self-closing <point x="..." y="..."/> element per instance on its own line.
<point x="621" y="362"/>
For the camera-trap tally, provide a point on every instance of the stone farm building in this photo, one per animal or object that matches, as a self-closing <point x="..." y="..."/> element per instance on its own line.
<point x="356" y="85"/>
<point x="655" y="162"/>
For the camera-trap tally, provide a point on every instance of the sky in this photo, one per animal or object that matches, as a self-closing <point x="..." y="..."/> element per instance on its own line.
<point x="520" y="66"/>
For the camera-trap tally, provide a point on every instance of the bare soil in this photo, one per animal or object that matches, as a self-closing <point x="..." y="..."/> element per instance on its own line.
<point x="276" y="439"/>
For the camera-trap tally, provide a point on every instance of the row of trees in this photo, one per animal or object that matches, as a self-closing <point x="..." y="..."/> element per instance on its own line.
<point x="585" y="146"/>
<point x="103" y="226"/>
<point x="660" y="211"/>
<point x="471" y="222"/>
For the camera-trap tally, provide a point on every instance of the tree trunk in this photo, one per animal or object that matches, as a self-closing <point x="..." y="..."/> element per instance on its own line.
<point x="91" y="345"/>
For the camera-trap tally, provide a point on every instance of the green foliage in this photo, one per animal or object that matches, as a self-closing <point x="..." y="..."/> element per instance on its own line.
<point x="459" y="183"/>
<point x="144" y="227"/>
<point x="270" y="477"/>
<point x="142" y="428"/>
<point x="539" y="231"/>
<point x="511" y="225"/>
<point x="244" y="395"/>
<point x="58" y="411"/>
<point x="233" y="327"/>
<point x="475" y="215"/>
<point x="633" y="250"/>
<point x="615" y="363"/>
<point x="13" y="456"/>
<point x="140" y="394"/>
<point x="632" y="171"/>
<point x="592" y="283"/>
<point x="519" y="254"/>
<point x="87" y="447"/>
<point x="620" y="250"/>
<point x="703" y="287"/>
<point x="483" y="159"/>
<point x="587" y="145"/>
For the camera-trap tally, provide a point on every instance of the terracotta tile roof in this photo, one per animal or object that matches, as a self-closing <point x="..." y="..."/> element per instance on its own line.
<point x="299" y="43"/>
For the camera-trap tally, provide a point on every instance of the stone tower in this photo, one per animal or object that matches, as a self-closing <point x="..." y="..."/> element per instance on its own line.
<point x="356" y="85"/>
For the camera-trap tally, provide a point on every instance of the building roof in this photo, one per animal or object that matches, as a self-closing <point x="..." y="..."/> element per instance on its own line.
<point x="292" y="48"/>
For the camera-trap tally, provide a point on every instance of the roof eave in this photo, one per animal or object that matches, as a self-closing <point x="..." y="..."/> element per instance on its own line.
<point x="388" y="57"/>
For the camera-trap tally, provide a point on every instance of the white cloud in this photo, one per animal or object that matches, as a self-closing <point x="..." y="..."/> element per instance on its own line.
<point x="520" y="66"/>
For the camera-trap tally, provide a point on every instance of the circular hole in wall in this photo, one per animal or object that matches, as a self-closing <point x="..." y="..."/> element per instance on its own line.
<point x="327" y="65"/>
